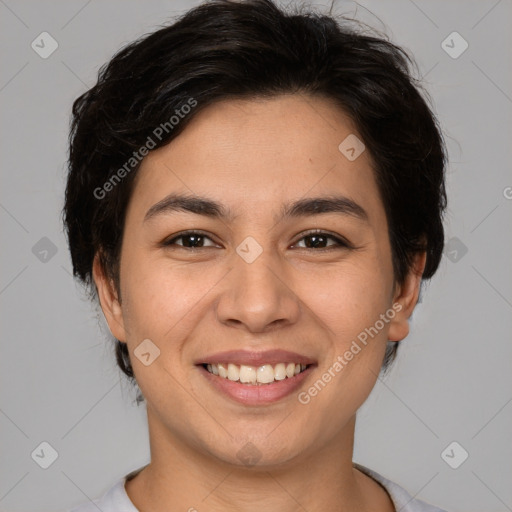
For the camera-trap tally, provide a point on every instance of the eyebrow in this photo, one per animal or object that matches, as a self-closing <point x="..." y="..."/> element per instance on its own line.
<point x="300" y="208"/>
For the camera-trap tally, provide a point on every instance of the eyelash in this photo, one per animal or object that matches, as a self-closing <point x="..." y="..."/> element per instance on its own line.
<point x="340" y="243"/>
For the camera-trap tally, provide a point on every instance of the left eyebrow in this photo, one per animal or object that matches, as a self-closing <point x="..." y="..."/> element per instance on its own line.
<point x="300" y="208"/>
<point x="330" y="204"/>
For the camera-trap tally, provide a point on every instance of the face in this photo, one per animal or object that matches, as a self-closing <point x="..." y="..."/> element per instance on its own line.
<point x="265" y="271"/>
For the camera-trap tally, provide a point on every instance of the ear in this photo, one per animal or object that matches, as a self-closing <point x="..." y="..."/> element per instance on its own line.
<point x="109" y="301"/>
<point x="406" y="298"/>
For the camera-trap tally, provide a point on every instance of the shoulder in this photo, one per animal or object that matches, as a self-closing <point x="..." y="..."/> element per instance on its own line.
<point x="114" y="500"/>
<point x="402" y="500"/>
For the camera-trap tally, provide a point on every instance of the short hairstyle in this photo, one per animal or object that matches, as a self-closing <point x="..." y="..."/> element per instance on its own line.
<point x="226" y="49"/>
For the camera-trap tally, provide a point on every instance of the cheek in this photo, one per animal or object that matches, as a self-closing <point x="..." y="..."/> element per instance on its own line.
<point x="164" y="300"/>
<point x="353" y="361"/>
<point x="351" y="304"/>
<point x="351" y="298"/>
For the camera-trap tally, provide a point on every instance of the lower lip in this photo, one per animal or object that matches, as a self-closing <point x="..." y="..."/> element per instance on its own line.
<point x="257" y="394"/>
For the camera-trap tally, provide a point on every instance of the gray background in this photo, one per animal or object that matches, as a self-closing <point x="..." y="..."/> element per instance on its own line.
<point x="452" y="381"/>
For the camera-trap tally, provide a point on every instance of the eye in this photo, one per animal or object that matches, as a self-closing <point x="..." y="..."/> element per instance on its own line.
<point x="192" y="240"/>
<point x="317" y="239"/>
<point x="314" y="240"/>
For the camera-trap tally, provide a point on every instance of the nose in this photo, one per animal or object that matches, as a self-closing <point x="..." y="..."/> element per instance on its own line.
<point x="258" y="296"/>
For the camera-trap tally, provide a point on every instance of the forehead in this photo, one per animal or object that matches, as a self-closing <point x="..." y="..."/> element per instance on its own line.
<point x="253" y="154"/>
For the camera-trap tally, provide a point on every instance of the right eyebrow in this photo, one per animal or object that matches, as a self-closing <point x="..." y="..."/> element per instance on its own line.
<point x="191" y="204"/>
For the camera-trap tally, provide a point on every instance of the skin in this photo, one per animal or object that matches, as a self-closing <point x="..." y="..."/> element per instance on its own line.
<point x="253" y="156"/>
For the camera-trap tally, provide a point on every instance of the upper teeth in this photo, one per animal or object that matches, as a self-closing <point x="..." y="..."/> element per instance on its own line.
<point x="256" y="374"/>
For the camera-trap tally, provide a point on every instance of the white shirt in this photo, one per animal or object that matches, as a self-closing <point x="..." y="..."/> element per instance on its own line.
<point x="116" y="499"/>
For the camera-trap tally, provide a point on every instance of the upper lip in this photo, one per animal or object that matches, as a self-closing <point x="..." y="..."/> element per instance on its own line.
<point x="256" y="358"/>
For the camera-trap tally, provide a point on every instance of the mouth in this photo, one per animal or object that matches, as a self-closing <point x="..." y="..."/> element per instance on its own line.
<point x="255" y="375"/>
<point x="256" y="378"/>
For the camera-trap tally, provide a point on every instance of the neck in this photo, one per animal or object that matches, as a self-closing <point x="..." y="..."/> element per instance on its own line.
<point x="180" y="477"/>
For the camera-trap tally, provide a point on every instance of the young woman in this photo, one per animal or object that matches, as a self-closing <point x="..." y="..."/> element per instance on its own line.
<point x="255" y="197"/>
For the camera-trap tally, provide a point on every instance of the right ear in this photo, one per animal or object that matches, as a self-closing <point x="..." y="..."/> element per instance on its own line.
<point x="109" y="300"/>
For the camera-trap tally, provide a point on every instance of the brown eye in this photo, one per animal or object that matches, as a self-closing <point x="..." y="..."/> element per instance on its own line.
<point x="190" y="240"/>
<point x="319" y="239"/>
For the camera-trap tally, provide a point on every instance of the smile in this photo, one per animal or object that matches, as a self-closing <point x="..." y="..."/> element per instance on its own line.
<point x="255" y="375"/>
<point x="254" y="393"/>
